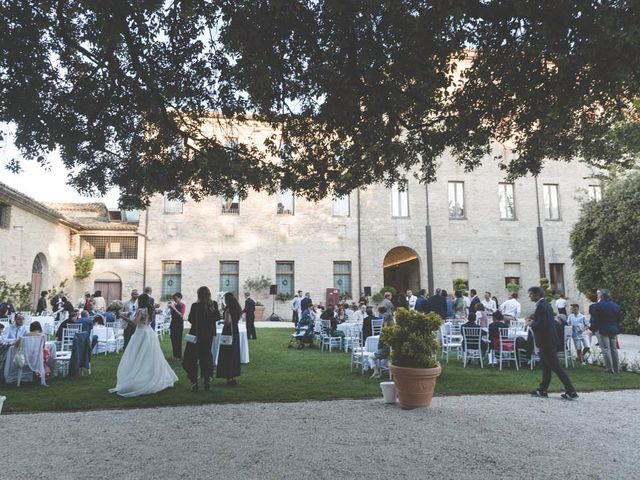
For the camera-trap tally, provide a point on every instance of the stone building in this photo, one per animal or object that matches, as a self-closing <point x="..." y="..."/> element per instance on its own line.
<point x="474" y="226"/>
<point x="39" y="243"/>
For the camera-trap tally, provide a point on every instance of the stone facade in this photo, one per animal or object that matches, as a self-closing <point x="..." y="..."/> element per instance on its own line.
<point x="481" y="247"/>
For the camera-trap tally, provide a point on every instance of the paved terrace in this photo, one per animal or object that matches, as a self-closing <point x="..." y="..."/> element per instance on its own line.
<point x="466" y="437"/>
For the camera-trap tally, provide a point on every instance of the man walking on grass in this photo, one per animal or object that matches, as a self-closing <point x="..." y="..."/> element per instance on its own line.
<point x="544" y="330"/>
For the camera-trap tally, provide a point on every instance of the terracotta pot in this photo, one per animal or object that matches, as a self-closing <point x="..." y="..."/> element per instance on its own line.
<point x="414" y="386"/>
<point x="259" y="313"/>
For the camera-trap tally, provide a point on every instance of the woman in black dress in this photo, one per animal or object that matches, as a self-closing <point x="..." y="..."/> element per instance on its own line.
<point x="203" y="317"/>
<point x="229" y="356"/>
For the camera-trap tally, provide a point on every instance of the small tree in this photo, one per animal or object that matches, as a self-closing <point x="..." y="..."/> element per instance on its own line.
<point x="462" y="285"/>
<point x="84" y="266"/>
<point x="413" y="338"/>
<point x="20" y="293"/>
<point x="513" y="287"/>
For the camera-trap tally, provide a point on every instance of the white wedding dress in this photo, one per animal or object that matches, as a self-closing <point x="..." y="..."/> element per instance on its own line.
<point x="143" y="369"/>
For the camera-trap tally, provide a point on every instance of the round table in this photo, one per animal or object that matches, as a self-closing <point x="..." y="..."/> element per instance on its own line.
<point x="244" y="344"/>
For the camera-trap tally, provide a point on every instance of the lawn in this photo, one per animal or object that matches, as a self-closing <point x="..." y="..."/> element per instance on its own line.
<point x="280" y="374"/>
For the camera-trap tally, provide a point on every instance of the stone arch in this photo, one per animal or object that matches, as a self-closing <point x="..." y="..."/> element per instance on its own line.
<point x="401" y="267"/>
<point x="110" y="284"/>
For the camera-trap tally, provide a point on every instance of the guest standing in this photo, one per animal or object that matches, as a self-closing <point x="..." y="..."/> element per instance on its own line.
<point x="42" y="303"/>
<point x="544" y="330"/>
<point x="203" y="316"/>
<point x="605" y="323"/>
<point x="250" y="315"/>
<point x="229" y="356"/>
<point x="176" y="327"/>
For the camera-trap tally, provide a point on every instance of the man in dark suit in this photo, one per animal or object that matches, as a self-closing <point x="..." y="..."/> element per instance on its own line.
<point x="42" y="302"/>
<point x="544" y="330"/>
<point x="306" y="302"/>
<point x="605" y="323"/>
<point x="250" y="315"/>
<point x="422" y="304"/>
<point x="474" y="301"/>
<point x="438" y="304"/>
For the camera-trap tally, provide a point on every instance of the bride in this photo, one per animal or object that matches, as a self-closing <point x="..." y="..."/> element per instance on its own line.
<point x="143" y="368"/>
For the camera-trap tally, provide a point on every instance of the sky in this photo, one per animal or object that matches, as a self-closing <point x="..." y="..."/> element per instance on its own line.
<point x="45" y="185"/>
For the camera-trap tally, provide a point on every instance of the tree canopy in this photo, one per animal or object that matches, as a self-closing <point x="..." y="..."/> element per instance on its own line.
<point x="356" y="90"/>
<point x="604" y="244"/>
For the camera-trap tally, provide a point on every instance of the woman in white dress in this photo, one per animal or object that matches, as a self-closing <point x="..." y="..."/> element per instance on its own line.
<point x="143" y="369"/>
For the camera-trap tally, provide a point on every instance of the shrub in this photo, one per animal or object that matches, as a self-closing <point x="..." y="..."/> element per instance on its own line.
<point x="84" y="266"/>
<point x="413" y="338"/>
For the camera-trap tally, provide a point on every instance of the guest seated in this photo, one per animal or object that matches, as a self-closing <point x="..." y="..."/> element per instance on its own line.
<point x="472" y="344"/>
<point x="87" y="324"/>
<point x="341" y="317"/>
<point x="360" y="314"/>
<point x="481" y="315"/>
<point x="382" y="353"/>
<point x="35" y="330"/>
<point x="387" y="317"/>
<point x="328" y="314"/>
<point x="98" y="320"/>
<point x="72" y="319"/>
<point x="494" y="332"/>
<point x="349" y="310"/>
<point x="15" y="331"/>
<point x="367" y="326"/>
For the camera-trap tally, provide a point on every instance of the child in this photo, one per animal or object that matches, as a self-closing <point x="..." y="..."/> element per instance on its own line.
<point x="580" y="332"/>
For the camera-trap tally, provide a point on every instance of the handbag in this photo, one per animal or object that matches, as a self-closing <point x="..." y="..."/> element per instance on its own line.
<point x="19" y="359"/>
<point x="226" y="339"/>
<point x="190" y="338"/>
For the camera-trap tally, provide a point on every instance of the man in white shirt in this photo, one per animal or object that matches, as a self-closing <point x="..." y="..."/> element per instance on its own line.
<point x="411" y="300"/>
<point x="489" y="304"/>
<point x="296" y="314"/>
<point x="511" y="309"/>
<point x="561" y="305"/>
<point x="15" y="331"/>
<point x="360" y="314"/>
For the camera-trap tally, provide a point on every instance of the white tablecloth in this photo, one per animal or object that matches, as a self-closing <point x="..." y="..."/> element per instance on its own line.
<point x="371" y="344"/>
<point x="244" y="344"/>
<point x="344" y="327"/>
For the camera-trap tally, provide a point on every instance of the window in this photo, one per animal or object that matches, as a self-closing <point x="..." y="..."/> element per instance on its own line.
<point x="594" y="192"/>
<point x="5" y="215"/>
<point x="229" y="277"/>
<point x="341" y="206"/>
<point x="556" y="277"/>
<point x="285" y="202"/>
<point x="171" y="279"/>
<point x="551" y="205"/>
<point x="231" y="206"/>
<point x="399" y="200"/>
<point x="102" y="248"/>
<point x="507" y="201"/>
<point x="456" y="200"/>
<point x="284" y="278"/>
<point x="172" y="206"/>
<point x="342" y="278"/>
<point x="511" y="274"/>
<point x="460" y="275"/>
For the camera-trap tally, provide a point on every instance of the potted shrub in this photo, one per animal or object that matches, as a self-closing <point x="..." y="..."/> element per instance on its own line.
<point x="413" y="364"/>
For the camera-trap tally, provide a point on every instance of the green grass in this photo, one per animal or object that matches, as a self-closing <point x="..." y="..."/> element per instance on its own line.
<point x="280" y="374"/>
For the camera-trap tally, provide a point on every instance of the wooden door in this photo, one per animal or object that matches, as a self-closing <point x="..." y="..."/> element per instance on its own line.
<point x="111" y="290"/>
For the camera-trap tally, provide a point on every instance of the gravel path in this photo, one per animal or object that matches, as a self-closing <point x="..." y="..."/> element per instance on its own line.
<point x="463" y="437"/>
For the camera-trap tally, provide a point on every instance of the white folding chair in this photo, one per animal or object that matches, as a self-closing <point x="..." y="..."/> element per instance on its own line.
<point x="159" y="319"/>
<point x="472" y="339"/>
<point x="327" y="340"/>
<point x="567" y="348"/>
<point x="449" y="341"/>
<point x="376" y="325"/>
<point x="354" y="334"/>
<point x="32" y="347"/>
<point x="507" y="352"/>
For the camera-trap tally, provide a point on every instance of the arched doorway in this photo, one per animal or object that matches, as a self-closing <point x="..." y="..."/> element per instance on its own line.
<point x="402" y="269"/>
<point x="38" y="274"/>
<point x="110" y="285"/>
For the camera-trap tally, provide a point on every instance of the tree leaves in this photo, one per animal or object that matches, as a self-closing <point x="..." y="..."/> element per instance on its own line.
<point x="356" y="92"/>
<point x="604" y="244"/>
